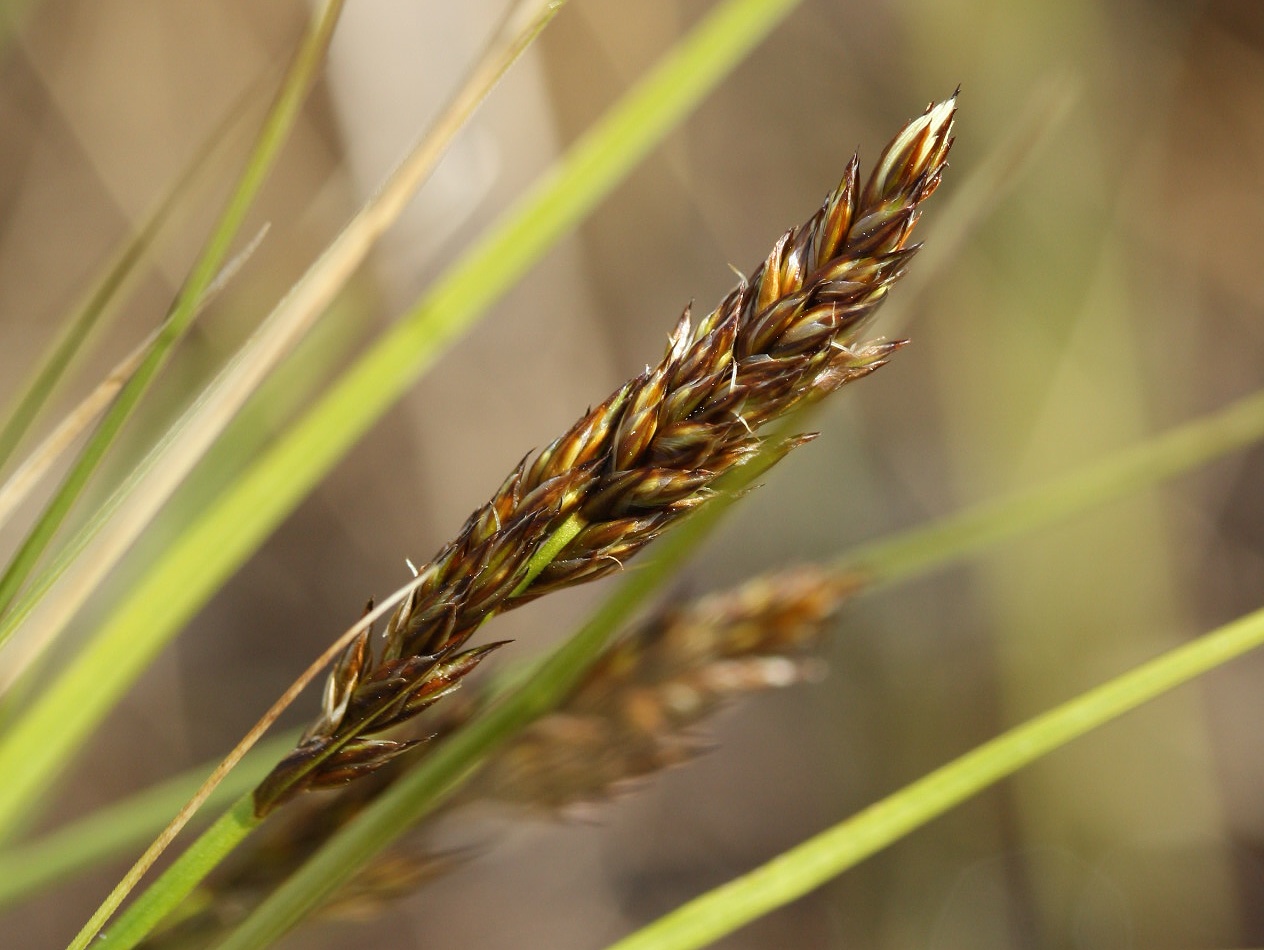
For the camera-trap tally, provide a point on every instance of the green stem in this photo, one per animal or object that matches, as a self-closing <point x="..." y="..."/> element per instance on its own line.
<point x="116" y="829"/>
<point x="817" y="860"/>
<point x="910" y="553"/>
<point x="175" y="884"/>
<point x="275" y="131"/>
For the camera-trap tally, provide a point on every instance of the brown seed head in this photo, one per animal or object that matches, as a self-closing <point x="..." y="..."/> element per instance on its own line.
<point x="636" y="711"/>
<point x="651" y="452"/>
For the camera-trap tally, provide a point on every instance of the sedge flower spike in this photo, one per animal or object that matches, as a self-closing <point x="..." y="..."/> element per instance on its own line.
<point x="650" y="453"/>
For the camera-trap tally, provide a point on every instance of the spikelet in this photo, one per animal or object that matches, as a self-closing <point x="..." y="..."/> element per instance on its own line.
<point x="637" y="709"/>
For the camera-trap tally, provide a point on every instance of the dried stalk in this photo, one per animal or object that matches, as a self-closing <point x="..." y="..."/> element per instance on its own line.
<point x="642" y="459"/>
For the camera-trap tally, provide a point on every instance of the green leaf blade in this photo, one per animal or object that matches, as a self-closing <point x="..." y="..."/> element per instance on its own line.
<point x="273" y="135"/>
<point x="819" y="859"/>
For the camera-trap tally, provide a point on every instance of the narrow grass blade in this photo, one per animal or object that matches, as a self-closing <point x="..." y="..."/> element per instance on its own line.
<point x="1184" y="448"/>
<point x="36" y="465"/>
<point x="95" y="310"/>
<point x="273" y="135"/>
<point x="228" y="831"/>
<point x="130" y="509"/>
<point x="112" y="832"/>
<point x="18" y="486"/>
<point x="811" y="864"/>
<point x="217" y="543"/>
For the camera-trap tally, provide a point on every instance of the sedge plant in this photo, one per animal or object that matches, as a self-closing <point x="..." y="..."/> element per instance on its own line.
<point x="665" y="454"/>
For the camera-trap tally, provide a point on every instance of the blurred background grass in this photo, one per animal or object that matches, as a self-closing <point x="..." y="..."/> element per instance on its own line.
<point x="1111" y="293"/>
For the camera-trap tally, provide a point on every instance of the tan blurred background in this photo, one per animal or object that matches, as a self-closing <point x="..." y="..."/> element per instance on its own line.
<point x="1113" y="290"/>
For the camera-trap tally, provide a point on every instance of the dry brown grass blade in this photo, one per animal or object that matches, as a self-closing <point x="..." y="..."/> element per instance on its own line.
<point x="19" y="485"/>
<point x="34" y="638"/>
<point x="648" y="454"/>
<point x="93" y="314"/>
